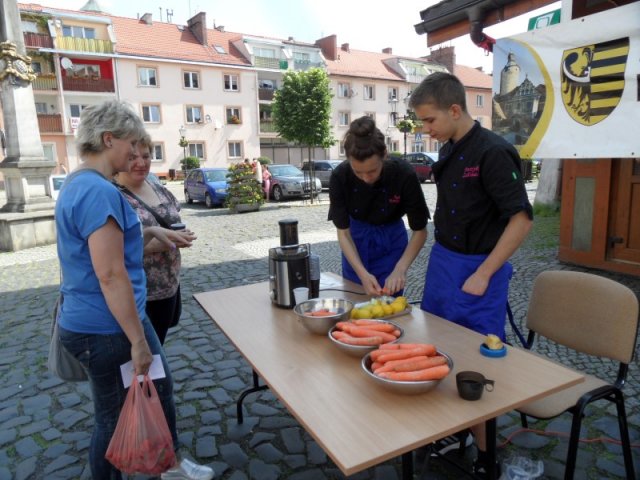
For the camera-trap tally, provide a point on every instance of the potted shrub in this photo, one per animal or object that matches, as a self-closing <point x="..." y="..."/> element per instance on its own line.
<point x="244" y="192"/>
<point x="406" y="125"/>
<point x="189" y="163"/>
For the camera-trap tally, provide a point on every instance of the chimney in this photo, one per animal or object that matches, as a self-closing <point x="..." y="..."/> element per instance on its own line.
<point x="146" y="18"/>
<point x="345" y="47"/>
<point x="291" y="39"/>
<point x="329" y="47"/>
<point x="388" y="50"/>
<point x="445" y="56"/>
<point x="198" y="26"/>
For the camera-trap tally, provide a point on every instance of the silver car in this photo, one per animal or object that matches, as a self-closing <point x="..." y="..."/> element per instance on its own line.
<point x="322" y="169"/>
<point x="289" y="181"/>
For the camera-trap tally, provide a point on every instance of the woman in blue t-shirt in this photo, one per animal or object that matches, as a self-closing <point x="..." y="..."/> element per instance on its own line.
<point x="100" y="242"/>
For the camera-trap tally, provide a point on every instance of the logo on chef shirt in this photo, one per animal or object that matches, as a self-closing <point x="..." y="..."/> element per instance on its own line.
<point x="395" y="199"/>
<point x="471" y="172"/>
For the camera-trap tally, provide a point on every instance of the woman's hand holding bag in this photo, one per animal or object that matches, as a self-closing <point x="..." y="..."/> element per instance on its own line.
<point x="141" y="442"/>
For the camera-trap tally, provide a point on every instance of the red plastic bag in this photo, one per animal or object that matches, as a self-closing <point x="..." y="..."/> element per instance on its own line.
<point x="141" y="442"/>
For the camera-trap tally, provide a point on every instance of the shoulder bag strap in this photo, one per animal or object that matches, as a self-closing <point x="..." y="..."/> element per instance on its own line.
<point x="158" y="218"/>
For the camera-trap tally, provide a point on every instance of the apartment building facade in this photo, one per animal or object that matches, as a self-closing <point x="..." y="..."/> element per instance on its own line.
<point x="210" y="87"/>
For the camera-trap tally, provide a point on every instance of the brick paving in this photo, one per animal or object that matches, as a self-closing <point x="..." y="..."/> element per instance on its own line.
<point x="45" y="423"/>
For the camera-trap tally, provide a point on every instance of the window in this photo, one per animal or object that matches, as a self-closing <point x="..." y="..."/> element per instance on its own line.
<point x="344" y="119"/>
<point x="191" y="80"/>
<point x="342" y="152"/>
<point x="194" y="114"/>
<point x="301" y="57"/>
<point x="231" y="83"/>
<point x="157" y="152"/>
<point x="36" y="67"/>
<point x="235" y="149"/>
<point x="393" y="93"/>
<point x="268" y="84"/>
<point x="369" y="92"/>
<point x="264" y="52"/>
<point x="417" y="147"/>
<point x="78" y="32"/>
<point x="83" y="70"/>
<point x="29" y="26"/>
<point x="75" y="109"/>
<point x="370" y="114"/>
<point x="151" y="113"/>
<point x="393" y="118"/>
<point x="479" y="100"/>
<point x="196" y="150"/>
<point x="344" y="90"/>
<point x="147" y="77"/>
<point x="395" y="146"/>
<point x="233" y="115"/>
<point x="220" y="49"/>
<point x="41" y="107"/>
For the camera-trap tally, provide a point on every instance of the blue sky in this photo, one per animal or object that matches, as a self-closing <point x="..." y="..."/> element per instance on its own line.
<point x="366" y="25"/>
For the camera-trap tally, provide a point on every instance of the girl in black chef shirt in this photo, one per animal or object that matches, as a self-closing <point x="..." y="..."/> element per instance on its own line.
<point x="369" y="195"/>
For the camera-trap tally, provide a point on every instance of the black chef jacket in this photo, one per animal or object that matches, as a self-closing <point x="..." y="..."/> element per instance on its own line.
<point x="480" y="187"/>
<point x="397" y="192"/>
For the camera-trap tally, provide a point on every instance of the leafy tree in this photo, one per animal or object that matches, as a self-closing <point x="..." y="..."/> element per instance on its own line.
<point x="302" y="111"/>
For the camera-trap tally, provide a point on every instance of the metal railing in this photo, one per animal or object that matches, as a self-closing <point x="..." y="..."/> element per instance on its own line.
<point x="77" y="44"/>
<point x="267" y="126"/>
<point x="306" y="64"/>
<point x="92" y="84"/>
<point x="37" y="40"/>
<point x="266" y="93"/>
<point x="45" y="82"/>
<point x="50" y="123"/>
<point x="266" y="62"/>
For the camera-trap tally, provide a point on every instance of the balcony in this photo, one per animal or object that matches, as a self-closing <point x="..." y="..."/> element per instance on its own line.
<point x="266" y="94"/>
<point x="45" y="82"/>
<point x="50" y="123"/>
<point x="37" y="40"/>
<point x="414" y="78"/>
<point x="306" y="64"/>
<point x="88" y="84"/>
<point x="77" y="44"/>
<point x="266" y="62"/>
<point x="267" y="126"/>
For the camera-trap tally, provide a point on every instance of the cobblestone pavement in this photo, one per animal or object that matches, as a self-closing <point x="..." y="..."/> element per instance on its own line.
<point x="45" y="423"/>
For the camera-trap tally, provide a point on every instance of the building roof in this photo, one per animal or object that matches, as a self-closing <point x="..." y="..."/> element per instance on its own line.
<point x="472" y="77"/>
<point x="358" y="63"/>
<point x="170" y="41"/>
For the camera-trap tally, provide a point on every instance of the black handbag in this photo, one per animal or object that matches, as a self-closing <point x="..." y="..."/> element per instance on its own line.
<point x="60" y="362"/>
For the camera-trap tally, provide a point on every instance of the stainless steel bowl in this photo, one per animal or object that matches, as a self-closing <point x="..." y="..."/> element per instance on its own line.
<point x="321" y="325"/>
<point x="405" y="388"/>
<point x="360" y="350"/>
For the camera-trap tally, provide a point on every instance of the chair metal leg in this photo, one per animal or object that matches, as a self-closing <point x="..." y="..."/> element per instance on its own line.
<point x="523" y="420"/>
<point x="492" y="473"/>
<point x="256" y="388"/>
<point x="574" y="439"/>
<point x="624" y="433"/>
<point x="407" y="466"/>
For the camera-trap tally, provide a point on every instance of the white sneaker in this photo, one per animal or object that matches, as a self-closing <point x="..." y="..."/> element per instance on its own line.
<point x="188" y="470"/>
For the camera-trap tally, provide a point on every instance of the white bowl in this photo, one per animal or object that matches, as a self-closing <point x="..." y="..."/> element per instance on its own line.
<point x="405" y="388"/>
<point x="360" y="350"/>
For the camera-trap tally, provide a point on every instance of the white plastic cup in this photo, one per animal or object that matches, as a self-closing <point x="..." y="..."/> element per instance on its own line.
<point x="301" y="294"/>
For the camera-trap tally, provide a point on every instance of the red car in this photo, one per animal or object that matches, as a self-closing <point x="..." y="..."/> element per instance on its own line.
<point x="421" y="163"/>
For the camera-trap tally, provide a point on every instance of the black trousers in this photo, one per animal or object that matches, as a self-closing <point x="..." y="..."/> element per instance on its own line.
<point x="164" y="314"/>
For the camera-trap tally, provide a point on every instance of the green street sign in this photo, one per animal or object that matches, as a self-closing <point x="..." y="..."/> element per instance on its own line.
<point x="544" y="20"/>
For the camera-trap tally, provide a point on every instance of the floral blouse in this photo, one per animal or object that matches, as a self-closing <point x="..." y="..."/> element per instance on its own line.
<point x="162" y="268"/>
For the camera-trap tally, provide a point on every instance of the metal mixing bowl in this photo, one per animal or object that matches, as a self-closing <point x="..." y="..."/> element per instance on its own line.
<point x="360" y="350"/>
<point x="321" y="325"/>
<point x="405" y="388"/>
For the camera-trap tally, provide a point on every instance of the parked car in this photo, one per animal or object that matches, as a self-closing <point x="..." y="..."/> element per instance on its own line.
<point x="322" y="169"/>
<point x="289" y="181"/>
<point x="56" y="181"/>
<point x="208" y="185"/>
<point x="421" y="163"/>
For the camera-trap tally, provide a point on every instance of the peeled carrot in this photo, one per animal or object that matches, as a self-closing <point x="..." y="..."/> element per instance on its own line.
<point x="368" y="341"/>
<point x="428" y="362"/>
<point x="338" y="334"/>
<point x="428" y="350"/>
<point x="396" y="333"/>
<point x="401" y="346"/>
<point x="321" y="313"/>
<point x="433" y="373"/>
<point x="375" y="366"/>
<point x="388" y="366"/>
<point x="365" y="332"/>
<point x="380" y="327"/>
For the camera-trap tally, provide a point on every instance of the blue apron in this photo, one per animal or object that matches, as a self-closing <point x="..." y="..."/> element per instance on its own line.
<point x="379" y="246"/>
<point x="442" y="296"/>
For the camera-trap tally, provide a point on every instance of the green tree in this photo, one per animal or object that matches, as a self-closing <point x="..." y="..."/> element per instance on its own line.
<point x="302" y="111"/>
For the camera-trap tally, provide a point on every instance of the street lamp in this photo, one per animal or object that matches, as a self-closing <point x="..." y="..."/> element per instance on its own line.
<point x="393" y="104"/>
<point x="183" y="142"/>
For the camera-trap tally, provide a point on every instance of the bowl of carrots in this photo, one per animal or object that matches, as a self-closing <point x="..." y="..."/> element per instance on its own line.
<point x="407" y="369"/>
<point x="320" y="314"/>
<point x="358" y="337"/>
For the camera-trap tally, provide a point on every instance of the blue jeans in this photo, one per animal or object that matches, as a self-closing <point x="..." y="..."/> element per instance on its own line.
<point x="102" y="356"/>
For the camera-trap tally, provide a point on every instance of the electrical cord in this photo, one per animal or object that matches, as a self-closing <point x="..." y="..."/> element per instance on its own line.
<point x="562" y="434"/>
<point x="340" y="290"/>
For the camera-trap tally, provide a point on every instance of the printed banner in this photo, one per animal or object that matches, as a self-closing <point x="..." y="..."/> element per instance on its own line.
<point x="571" y="90"/>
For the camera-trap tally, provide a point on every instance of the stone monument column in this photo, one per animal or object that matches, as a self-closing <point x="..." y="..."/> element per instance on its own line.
<point x="25" y="169"/>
